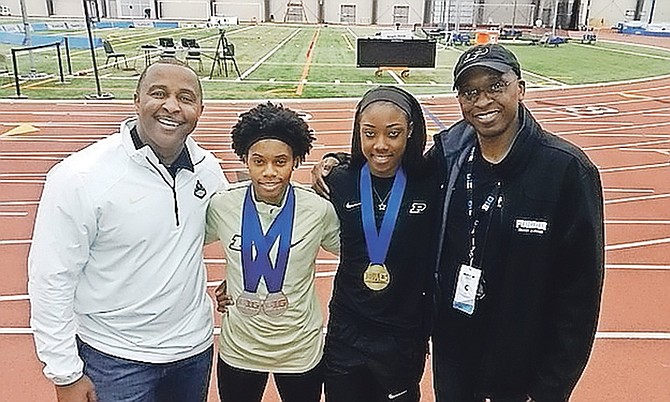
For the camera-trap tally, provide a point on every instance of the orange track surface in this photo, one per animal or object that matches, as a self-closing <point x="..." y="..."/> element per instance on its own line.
<point x="624" y="128"/>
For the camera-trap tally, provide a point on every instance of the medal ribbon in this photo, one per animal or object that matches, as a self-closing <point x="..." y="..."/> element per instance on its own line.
<point x="378" y="242"/>
<point x="252" y="237"/>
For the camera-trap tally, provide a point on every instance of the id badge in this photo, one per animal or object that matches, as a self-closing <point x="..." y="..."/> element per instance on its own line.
<point x="466" y="289"/>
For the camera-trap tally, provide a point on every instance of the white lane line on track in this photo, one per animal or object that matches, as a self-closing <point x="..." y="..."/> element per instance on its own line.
<point x="637" y="167"/>
<point x="14" y="242"/>
<point x="636" y="199"/>
<point x="13" y="214"/>
<point x="642" y="267"/>
<point x="635" y="222"/>
<point x="634" y="335"/>
<point x="652" y="150"/>
<point x="14" y="298"/>
<point x="32" y="158"/>
<point x="17" y="203"/>
<point x="643" y="243"/>
<point x="22" y="174"/>
<point x="625" y="135"/>
<point x="628" y="190"/>
<point x="636" y="127"/>
<point x="10" y="181"/>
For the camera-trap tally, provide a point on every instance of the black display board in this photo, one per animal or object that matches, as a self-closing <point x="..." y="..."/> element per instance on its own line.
<point x="395" y="53"/>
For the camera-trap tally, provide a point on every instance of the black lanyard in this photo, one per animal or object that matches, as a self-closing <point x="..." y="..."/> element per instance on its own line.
<point x="485" y="208"/>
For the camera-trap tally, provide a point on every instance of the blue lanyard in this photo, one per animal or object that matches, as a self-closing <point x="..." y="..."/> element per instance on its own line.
<point x="378" y="242"/>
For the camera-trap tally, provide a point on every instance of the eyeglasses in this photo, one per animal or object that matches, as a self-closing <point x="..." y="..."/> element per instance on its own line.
<point x="493" y="91"/>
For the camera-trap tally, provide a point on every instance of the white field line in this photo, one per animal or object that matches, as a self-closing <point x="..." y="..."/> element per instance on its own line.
<point x="633" y="44"/>
<point x="396" y="77"/>
<point x="542" y="77"/>
<point x="651" y="56"/>
<point x="352" y="33"/>
<point x="267" y="56"/>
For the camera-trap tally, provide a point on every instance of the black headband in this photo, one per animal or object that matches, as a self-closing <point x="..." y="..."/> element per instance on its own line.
<point x="389" y="94"/>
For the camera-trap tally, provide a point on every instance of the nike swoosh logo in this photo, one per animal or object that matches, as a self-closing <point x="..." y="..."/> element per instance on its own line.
<point x="351" y="205"/>
<point x="394" y="396"/>
<point x="135" y="200"/>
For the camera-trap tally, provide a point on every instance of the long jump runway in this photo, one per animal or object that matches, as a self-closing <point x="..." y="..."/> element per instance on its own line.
<point x="624" y="128"/>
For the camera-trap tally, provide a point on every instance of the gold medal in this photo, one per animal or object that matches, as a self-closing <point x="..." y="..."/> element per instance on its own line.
<point x="275" y="304"/>
<point x="376" y="277"/>
<point x="249" y="304"/>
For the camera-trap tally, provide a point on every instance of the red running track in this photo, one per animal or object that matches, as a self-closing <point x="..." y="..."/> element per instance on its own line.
<point x="625" y="129"/>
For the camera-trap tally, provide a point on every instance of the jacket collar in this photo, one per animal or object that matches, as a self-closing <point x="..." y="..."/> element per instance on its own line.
<point x="143" y="154"/>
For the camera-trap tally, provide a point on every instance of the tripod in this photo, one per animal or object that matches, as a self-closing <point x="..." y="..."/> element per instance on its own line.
<point x="224" y="51"/>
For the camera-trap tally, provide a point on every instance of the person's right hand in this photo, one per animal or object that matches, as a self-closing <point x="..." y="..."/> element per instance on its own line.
<point x="81" y="390"/>
<point x="321" y="170"/>
<point x="223" y="299"/>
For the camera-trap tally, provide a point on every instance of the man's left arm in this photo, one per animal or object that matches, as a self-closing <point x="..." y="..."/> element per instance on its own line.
<point x="331" y="234"/>
<point x="577" y="277"/>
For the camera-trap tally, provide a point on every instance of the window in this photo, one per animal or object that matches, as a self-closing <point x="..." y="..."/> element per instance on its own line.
<point x="348" y="13"/>
<point x="400" y="14"/>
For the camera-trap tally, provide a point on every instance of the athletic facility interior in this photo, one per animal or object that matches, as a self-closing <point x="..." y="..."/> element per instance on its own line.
<point x="610" y="97"/>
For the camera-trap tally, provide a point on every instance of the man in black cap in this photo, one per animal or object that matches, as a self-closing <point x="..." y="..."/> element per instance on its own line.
<point x="520" y="263"/>
<point x="519" y="267"/>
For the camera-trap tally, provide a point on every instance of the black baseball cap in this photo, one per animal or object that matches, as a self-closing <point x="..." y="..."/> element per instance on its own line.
<point x="492" y="55"/>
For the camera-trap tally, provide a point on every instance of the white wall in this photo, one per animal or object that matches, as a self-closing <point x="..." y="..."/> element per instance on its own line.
<point x="34" y="8"/>
<point x="662" y="13"/>
<point x="608" y="12"/>
<point x="333" y="12"/>
<point x="68" y="8"/>
<point x="311" y="10"/>
<point x="244" y="10"/>
<point x="175" y="10"/>
<point x="385" y="11"/>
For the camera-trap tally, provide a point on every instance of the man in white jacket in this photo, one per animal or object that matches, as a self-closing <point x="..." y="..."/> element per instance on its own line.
<point x="117" y="281"/>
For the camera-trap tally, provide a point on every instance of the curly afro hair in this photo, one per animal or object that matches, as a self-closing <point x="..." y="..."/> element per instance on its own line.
<point x="270" y="121"/>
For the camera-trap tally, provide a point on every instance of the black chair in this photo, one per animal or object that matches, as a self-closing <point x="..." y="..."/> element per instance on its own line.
<point x="191" y="53"/>
<point x="109" y="51"/>
<point x="167" y="46"/>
